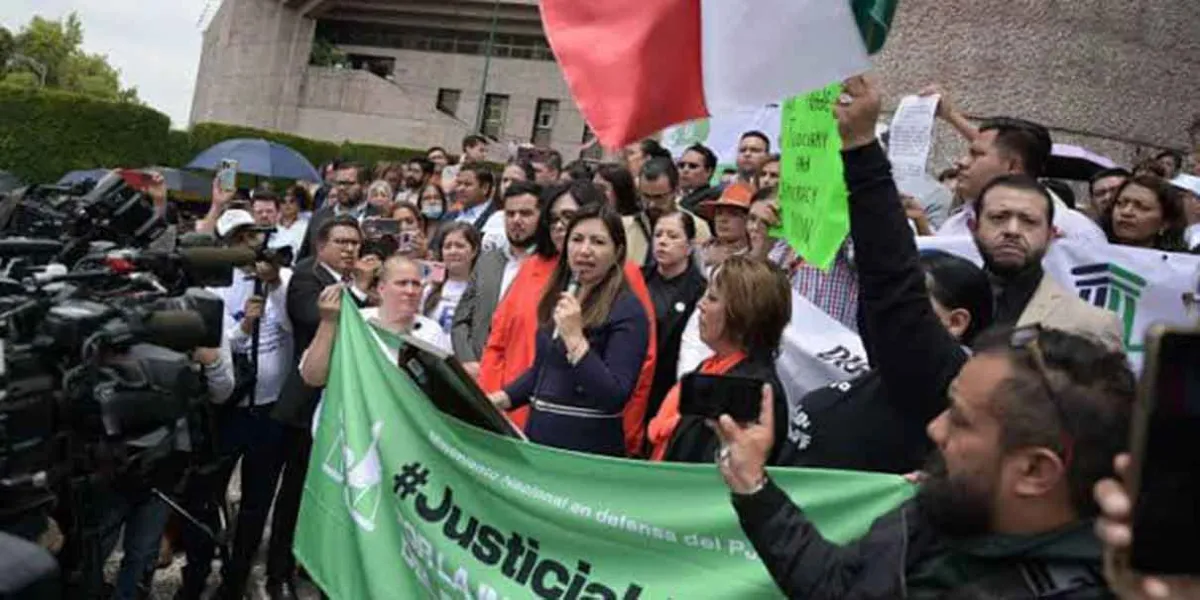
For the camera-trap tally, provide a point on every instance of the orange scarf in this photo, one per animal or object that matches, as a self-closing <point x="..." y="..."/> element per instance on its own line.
<point x="662" y="427"/>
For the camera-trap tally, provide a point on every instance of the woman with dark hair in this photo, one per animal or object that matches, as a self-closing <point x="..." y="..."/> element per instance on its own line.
<point x="1146" y="213"/>
<point x="511" y="346"/>
<point x="576" y="170"/>
<point x="411" y="240"/>
<point x="458" y="251"/>
<point x="591" y="342"/>
<point x="676" y="285"/>
<point x="742" y="317"/>
<point x="617" y="183"/>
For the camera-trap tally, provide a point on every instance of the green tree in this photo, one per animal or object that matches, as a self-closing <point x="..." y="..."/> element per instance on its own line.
<point x="56" y="48"/>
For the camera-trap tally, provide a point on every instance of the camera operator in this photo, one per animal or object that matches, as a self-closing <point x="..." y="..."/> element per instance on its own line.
<point x="255" y="316"/>
<point x="129" y="503"/>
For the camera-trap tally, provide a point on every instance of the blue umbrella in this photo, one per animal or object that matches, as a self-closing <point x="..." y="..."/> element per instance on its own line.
<point x="257" y="157"/>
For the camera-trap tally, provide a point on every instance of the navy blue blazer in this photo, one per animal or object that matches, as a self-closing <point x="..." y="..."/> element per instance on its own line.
<point x="580" y="407"/>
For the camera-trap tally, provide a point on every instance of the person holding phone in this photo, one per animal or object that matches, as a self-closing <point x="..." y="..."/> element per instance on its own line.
<point x="410" y="231"/>
<point x="592" y="337"/>
<point x="742" y="317"/>
<point x="458" y="252"/>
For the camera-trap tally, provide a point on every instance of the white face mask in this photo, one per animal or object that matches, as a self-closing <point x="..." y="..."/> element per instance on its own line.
<point x="432" y="211"/>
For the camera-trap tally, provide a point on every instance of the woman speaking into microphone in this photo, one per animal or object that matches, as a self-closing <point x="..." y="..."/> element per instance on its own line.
<point x="591" y="341"/>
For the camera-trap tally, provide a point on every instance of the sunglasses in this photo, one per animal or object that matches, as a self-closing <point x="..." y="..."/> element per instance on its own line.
<point x="1026" y="339"/>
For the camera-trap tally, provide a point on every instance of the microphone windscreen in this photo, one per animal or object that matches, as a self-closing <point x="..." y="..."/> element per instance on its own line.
<point x="213" y="267"/>
<point x="179" y="330"/>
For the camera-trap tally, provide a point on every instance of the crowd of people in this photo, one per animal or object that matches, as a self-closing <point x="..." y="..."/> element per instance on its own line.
<point x="578" y="295"/>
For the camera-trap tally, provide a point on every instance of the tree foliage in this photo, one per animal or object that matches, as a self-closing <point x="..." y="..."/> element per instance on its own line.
<point x="52" y="52"/>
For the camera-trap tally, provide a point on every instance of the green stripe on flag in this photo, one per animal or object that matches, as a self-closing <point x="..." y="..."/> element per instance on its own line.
<point x="403" y="502"/>
<point x="874" y="19"/>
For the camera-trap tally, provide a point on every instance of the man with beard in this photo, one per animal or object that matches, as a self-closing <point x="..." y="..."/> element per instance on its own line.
<point x="494" y="272"/>
<point x="417" y="174"/>
<point x="1012" y="232"/>
<point x="1004" y="511"/>
<point x="348" y="180"/>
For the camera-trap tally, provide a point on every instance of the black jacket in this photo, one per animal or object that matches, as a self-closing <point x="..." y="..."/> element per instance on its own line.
<point x="877" y="421"/>
<point x="669" y="325"/>
<point x="297" y="400"/>
<point x="903" y="556"/>
<point x="694" y="442"/>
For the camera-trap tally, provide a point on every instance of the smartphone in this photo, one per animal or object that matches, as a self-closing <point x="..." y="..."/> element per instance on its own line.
<point x="227" y="175"/>
<point x="138" y="180"/>
<point x="1164" y="482"/>
<point x="377" y="228"/>
<point x="405" y="241"/>
<point x="710" y="396"/>
<point x="432" y="271"/>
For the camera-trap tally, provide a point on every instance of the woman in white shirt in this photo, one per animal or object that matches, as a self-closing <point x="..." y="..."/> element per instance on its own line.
<point x="460" y="248"/>
<point x="400" y="288"/>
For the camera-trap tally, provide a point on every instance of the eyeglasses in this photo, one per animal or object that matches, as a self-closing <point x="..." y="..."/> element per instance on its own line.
<point x="347" y="242"/>
<point x="1026" y="339"/>
<point x="687" y="165"/>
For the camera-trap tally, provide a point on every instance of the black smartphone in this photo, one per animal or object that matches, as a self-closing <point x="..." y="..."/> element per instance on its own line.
<point x="710" y="396"/>
<point x="1165" y="479"/>
<point x="377" y="228"/>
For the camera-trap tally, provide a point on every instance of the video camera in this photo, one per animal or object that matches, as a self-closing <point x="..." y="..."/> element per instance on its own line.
<point x="98" y="318"/>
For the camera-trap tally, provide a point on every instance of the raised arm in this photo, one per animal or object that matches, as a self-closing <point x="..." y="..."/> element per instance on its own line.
<point x="949" y="112"/>
<point x="314" y="364"/>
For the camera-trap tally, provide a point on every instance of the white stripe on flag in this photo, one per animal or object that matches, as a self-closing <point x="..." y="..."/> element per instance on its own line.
<point x="756" y="53"/>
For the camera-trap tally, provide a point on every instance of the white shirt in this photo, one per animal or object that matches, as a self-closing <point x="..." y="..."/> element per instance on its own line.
<point x="512" y="266"/>
<point x="1191" y="236"/>
<point x="275" y="345"/>
<point x="425" y="329"/>
<point x="359" y="294"/>
<point x="290" y="235"/>
<point x="494" y="236"/>
<point x="443" y="313"/>
<point x="1071" y="223"/>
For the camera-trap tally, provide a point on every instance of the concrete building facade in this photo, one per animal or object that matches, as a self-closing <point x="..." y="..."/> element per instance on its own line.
<point x="1116" y="76"/>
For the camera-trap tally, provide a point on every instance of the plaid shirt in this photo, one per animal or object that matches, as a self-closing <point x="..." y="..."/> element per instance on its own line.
<point x="834" y="291"/>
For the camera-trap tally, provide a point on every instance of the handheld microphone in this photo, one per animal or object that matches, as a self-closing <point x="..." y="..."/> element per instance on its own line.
<point x="572" y="289"/>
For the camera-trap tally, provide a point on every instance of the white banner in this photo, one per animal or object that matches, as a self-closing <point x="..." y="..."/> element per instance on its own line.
<point x="1143" y="287"/>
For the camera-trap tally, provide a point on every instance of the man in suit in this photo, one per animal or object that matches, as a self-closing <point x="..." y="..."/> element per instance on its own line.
<point x="1012" y="232"/>
<point x="337" y="243"/>
<point x="350" y="179"/>
<point x="494" y="272"/>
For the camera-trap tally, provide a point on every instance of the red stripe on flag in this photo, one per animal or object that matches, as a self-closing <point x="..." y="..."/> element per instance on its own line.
<point x="633" y="66"/>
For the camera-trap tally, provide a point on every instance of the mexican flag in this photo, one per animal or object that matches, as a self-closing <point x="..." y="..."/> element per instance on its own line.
<point x="638" y="66"/>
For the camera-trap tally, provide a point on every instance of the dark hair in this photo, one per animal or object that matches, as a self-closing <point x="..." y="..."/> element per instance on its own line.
<point x="652" y="149"/>
<point x="710" y="157"/>
<point x="758" y="303"/>
<point x="422" y="163"/>
<point x="521" y="188"/>
<point x="956" y="282"/>
<point x="1082" y="415"/>
<point x="525" y="167"/>
<point x="326" y="228"/>
<point x="729" y="171"/>
<point x="579" y="169"/>
<point x="433" y="149"/>
<point x="764" y="193"/>
<point x="657" y="167"/>
<point x="758" y="134"/>
<point x="1175" y="157"/>
<point x="360" y="171"/>
<point x="412" y="208"/>
<point x="421" y="194"/>
<point x="1020" y="182"/>
<point x="474" y="240"/>
<point x="550" y="157"/>
<point x="689" y="223"/>
<point x="1151" y="166"/>
<point x="949" y="173"/>
<point x="379" y="247"/>
<point x="621" y="181"/>
<point x="261" y="195"/>
<point x="585" y="193"/>
<point x="472" y="140"/>
<point x="773" y="158"/>
<point x="483" y="175"/>
<point x="598" y="303"/>
<point x="1026" y="140"/>
<point x="1169" y="202"/>
<point x="303" y="200"/>
<point x="1062" y="190"/>
<point x="1101" y="174"/>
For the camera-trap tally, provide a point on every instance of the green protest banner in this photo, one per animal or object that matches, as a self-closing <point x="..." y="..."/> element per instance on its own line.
<point x="403" y="502"/>
<point x="812" y="192"/>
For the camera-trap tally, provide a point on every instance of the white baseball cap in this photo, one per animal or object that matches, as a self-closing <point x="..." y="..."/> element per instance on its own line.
<point x="1190" y="183"/>
<point x="233" y="219"/>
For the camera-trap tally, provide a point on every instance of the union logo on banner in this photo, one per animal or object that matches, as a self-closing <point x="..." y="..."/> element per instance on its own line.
<point x="1111" y="287"/>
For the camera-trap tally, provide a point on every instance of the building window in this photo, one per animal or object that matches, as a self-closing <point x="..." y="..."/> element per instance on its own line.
<point x="591" y="146"/>
<point x="495" y="111"/>
<point x="516" y="46"/>
<point x="447" y="100"/>
<point x="543" y="122"/>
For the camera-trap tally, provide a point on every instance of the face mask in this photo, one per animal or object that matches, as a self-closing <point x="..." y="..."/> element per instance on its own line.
<point x="432" y="211"/>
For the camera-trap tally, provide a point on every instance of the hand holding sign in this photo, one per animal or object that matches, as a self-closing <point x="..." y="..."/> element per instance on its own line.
<point x="857" y="112"/>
